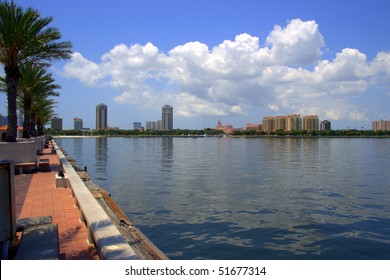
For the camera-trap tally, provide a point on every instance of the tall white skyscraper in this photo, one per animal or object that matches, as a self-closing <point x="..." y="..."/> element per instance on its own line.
<point x="167" y="118"/>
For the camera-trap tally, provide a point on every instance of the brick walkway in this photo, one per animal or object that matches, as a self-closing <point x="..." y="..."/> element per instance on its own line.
<point x="36" y="195"/>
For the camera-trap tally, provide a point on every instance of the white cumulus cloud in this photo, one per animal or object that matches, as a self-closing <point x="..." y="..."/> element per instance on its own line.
<point x="284" y="74"/>
<point x="84" y="70"/>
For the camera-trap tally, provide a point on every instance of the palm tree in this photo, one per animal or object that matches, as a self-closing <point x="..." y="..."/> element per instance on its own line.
<point x="35" y="83"/>
<point x="44" y="111"/>
<point x="25" y="37"/>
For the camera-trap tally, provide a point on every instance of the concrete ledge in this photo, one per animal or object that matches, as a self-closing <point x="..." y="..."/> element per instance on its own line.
<point x="110" y="243"/>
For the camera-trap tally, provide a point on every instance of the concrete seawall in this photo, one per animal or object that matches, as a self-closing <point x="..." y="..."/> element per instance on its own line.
<point x="113" y="234"/>
<point x="109" y="243"/>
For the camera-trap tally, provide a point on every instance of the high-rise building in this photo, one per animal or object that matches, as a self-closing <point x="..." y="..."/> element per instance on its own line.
<point x="167" y="118"/>
<point x="137" y="126"/>
<point x="286" y="123"/>
<point x="291" y="123"/>
<point x="381" y="125"/>
<point x="280" y="122"/>
<point x="101" y="116"/>
<point x="78" y="123"/>
<point x="325" y="125"/>
<point x="310" y="123"/>
<point x="56" y="123"/>
<point x="268" y="124"/>
<point x="294" y="123"/>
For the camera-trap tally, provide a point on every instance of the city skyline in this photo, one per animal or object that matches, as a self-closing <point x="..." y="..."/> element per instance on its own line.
<point x="230" y="60"/>
<point x="292" y="122"/>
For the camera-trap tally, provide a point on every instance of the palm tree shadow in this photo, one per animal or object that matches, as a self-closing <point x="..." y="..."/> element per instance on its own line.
<point x="66" y="243"/>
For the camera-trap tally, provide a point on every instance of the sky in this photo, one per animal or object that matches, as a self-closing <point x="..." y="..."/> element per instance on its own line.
<point x="227" y="60"/>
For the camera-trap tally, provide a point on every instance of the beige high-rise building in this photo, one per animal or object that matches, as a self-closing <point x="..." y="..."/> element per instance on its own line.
<point x="291" y="123"/>
<point x="294" y="122"/>
<point x="268" y="124"/>
<point x="310" y="123"/>
<point x="280" y="122"/>
<point x="381" y="125"/>
<point x="286" y="123"/>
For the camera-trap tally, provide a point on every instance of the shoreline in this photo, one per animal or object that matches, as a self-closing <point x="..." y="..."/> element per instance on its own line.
<point x="220" y="136"/>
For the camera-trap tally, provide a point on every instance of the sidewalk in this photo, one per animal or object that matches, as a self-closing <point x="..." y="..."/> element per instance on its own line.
<point x="36" y="195"/>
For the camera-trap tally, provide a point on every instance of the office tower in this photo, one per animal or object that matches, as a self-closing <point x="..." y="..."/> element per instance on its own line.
<point x="325" y="125"/>
<point x="101" y="116"/>
<point x="78" y="123"/>
<point x="159" y="125"/>
<point x="167" y="118"/>
<point x="56" y="123"/>
<point x="148" y="125"/>
<point x="137" y="125"/>
<point x="310" y="123"/>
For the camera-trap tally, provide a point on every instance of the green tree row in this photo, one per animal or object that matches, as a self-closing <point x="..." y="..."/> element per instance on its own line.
<point x="322" y="133"/>
<point x="215" y="132"/>
<point x="122" y="132"/>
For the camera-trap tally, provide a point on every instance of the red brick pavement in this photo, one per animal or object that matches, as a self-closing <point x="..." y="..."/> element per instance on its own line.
<point x="36" y="195"/>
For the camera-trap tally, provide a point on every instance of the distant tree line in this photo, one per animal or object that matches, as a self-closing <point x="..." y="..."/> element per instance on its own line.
<point x="123" y="132"/>
<point x="319" y="133"/>
<point x="215" y="132"/>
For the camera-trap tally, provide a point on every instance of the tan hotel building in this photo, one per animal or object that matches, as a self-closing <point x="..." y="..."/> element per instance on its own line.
<point x="291" y="123"/>
<point x="381" y="125"/>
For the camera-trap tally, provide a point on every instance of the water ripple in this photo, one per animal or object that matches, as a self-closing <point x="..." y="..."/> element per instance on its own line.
<point x="223" y="198"/>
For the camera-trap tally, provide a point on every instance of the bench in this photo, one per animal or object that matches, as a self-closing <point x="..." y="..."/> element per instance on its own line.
<point x="25" y="165"/>
<point x="39" y="242"/>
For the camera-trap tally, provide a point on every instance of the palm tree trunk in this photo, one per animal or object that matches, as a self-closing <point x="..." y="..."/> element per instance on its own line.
<point x="12" y="78"/>
<point x="27" y="121"/>
<point x="40" y="130"/>
<point x="33" y="125"/>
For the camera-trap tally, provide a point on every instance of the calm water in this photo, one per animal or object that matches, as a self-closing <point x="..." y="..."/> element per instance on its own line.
<point x="223" y="198"/>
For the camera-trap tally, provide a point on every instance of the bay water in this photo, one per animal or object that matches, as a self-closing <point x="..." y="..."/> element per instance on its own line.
<point x="248" y="198"/>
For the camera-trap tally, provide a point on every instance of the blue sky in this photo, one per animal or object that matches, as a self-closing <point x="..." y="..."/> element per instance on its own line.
<point x="234" y="61"/>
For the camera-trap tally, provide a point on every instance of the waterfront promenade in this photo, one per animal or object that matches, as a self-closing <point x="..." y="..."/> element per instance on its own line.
<point x="36" y="195"/>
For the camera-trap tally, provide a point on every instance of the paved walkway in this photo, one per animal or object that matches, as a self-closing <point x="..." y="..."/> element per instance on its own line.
<point x="36" y="195"/>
